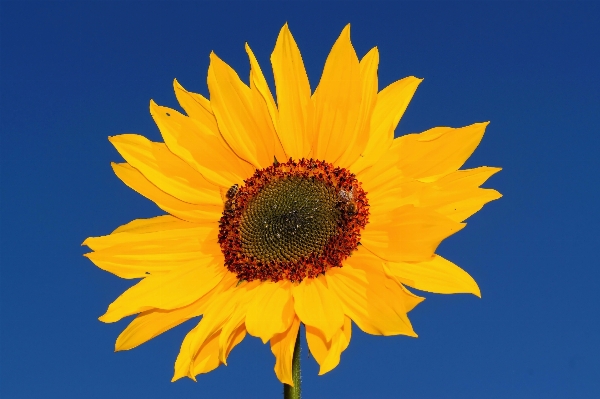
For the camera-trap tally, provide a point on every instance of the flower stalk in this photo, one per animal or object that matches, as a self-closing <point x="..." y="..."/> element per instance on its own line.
<point x="294" y="392"/>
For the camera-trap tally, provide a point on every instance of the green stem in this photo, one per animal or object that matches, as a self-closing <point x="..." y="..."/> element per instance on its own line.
<point x="294" y="392"/>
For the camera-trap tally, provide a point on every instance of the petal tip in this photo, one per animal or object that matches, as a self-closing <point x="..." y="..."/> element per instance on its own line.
<point x="177" y="85"/>
<point x="346" y="30"/>
<point x="153" y="107"/>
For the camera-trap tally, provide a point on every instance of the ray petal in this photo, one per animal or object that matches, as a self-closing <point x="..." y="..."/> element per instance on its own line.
<point x="317" y="306"/>
<point x="407" y="233"/>
<point x="152" y="323"/>
<point x="389" y="108"/>
<point x="232" y="104"/>
<point x="200" y="213"/>
<point x="437" y="152"/>
<point x="165" y="170"/>
<point x="337" y="101"/>
<point x="437" y="275"/>
<point x="282" y="346"/>
<point x="327" y="354"/>
<point x="377" y="304"/>
<point x="271" y="311"/>
<point x="172" y="290"/>
<point x="293" y="96"/>
<point x="368" y="75"/>
<point x="200" y="147"/>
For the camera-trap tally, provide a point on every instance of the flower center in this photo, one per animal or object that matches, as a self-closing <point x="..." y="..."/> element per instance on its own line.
<point x="292" y="221"/>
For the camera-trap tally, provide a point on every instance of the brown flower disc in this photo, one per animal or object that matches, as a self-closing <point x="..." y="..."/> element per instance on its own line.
<point x="292" y="220"/>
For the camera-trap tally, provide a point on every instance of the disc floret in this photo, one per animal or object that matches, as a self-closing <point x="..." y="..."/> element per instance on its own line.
<point x="292" y="220"/>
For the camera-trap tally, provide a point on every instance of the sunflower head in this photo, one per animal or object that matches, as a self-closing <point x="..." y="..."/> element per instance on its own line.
<point x="299" y="210"/>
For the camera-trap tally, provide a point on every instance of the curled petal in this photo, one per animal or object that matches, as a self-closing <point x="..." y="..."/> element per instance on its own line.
<point x="282" y="346"/>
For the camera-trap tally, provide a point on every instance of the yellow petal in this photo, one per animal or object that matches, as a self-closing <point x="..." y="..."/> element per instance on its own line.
<point x="389" y="108"/>
<point x="184" y="357"/>
<point x="317" y="344"/>
<point x="236" y="319"/>
<point x="197" y="107"/>
<point x="204" y="352"/>
<point x="377" y="304"/>
<point x="200" y="147"/>
<point x="339" y="343"/>
<point x="232" y="104"/>
<point x="317" y="306"/>
<point x="293" y="96"/>
<point x="337" y="102"/>
<point x="407" y="233"/>
<point x="153" y="246"/>
<point x="152" y="323"/>
<point x="175" y="289"/>
<point x="200" y="213"/>
<point x="167" y="228"/>
<point x="436" y="275"/>
<point x="368" y="75"/>
<point x="234" y="339"/>
<point x="466" y="178"/>
<point x="327" y="354"/>
<point x="219" y="312"/>
<point x="151" y="225"/>
<point x="128" y="265"/>
<point x="203" y="360"/>
<point x="271" y="311"/>
<point x="282" y="346"/>
<point x="385" y="174"/>
<point x="437" y="152"/>
<point x="264" y="109"/>
<point x="457" y="195"/>
<point x="165" y="170"/>
<point x="207" y="358"/>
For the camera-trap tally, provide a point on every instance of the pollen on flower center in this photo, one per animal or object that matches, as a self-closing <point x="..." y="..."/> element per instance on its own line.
<point x="292" y="221"/>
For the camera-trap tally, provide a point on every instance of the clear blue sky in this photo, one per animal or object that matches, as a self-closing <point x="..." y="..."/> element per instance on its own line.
<point x="74" y="73"/>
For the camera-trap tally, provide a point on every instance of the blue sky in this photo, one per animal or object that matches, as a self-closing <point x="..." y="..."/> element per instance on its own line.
<point x="74" y="73"/>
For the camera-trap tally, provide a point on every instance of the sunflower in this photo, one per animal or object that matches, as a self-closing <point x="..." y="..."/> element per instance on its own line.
<point x="305" y="210"/>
